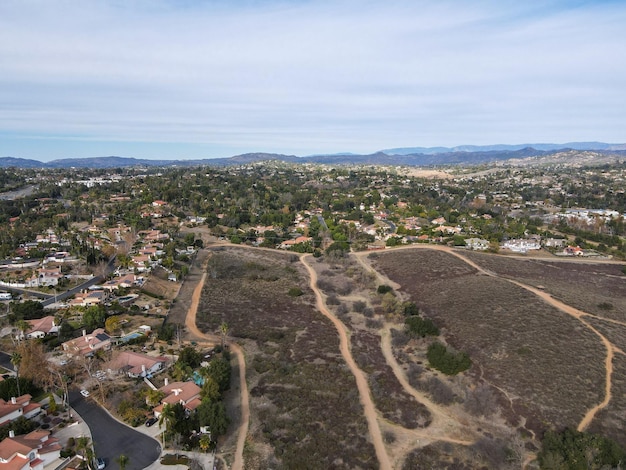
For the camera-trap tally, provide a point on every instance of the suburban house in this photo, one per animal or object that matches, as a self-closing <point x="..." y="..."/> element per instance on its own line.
<point x="477" y="244"/>
<point x="521" y="245"/>
<point x="136" y="364"/>
<point x="42" y="327"/>
<point x="573" y="251"/>
<point x="88" y="298"/>
<point x="124" y="281"/>
<point x="16" y="407"/>
<point x="88" y="344"/>
<point x="33" y="451"/>
<point x="185" y="393"/>
<point x="45" y="277"/>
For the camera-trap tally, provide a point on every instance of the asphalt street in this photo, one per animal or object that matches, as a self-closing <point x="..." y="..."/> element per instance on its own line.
<point x="112" y="438"/>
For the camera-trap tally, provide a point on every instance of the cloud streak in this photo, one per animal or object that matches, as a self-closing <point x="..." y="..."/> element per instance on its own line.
<point x="305" y="77"/>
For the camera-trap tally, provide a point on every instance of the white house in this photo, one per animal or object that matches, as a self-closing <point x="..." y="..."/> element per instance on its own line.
<point x="33" y="451"/>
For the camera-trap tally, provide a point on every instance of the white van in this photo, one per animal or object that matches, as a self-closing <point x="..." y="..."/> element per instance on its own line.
<point x="5" y="296"/>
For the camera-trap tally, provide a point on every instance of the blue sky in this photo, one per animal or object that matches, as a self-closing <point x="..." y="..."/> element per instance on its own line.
<point x="187" y="79"/>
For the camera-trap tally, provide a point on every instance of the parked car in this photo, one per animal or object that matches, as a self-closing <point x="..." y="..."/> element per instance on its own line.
<point x="151" y="421"/>
<point x="100" y="463"/>
<point x="84" y="393"/>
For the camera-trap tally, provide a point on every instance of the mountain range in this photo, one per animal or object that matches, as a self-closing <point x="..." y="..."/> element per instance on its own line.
<point x="409" y="156"/>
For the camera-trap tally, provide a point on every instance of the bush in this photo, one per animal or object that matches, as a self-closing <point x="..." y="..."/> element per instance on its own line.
<point x="420" y="327"/>
<point x="384" y="288"/>
<point x="448" y="362"/>
<point x="579" y="450"/>
<point x="480" y="401"/>
<point x="439" y="391"/>
<point x="359" y="306"/>
<point x="295" y="292"/>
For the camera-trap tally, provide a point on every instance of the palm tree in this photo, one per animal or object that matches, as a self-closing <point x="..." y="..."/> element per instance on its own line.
<point x="167" y="417"/>
<point x="224" y="331"/>
<point x="16" y="360"/>
<point x="205" y="442"/>
<point x="23" y="326"/>
<point x="83" y="447"/>
<point x="122" y="461"/>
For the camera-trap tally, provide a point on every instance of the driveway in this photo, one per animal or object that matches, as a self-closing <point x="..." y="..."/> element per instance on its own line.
<point x="112" y="438"/>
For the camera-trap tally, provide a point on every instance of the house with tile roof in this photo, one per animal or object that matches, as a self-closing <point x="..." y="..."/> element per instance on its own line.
<point x="42" y="327"/>
<point x="88" y="344"/>
<point x="17" y="407"/>
<point x="185" y="393"/>
<point x="136" y="364"/>
<point x="33" y="451"/>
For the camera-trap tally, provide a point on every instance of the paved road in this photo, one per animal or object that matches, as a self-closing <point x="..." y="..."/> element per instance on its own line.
<point x="5" y="361"/>
<point x="112" y="438"/>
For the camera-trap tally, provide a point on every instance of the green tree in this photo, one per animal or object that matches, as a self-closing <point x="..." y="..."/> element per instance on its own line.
<point x="205" y="443"/>
<point x="213" y="415"/>
<point x="448" y="362"/>
<point x="167" y="418"/>
<point x="575" y="450"/>
<point x="417" y="326"/>
<point x="95" y="317"/>
<point x="219" y="370"/>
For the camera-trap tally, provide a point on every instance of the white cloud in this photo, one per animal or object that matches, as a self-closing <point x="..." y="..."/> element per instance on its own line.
<point x="313" y="76"/>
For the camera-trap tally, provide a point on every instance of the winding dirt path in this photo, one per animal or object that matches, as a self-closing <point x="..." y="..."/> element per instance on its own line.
<point x="444" y="423"/>
<point x="190" y="323"/>
<point x="364" y="391"/>
<point x="569" y="310"/>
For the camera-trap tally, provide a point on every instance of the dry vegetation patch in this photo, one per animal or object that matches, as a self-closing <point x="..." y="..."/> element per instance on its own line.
<point x="611" y="421"/>
<point x="597" y="288"/>
<point x="345" y="284"/>
<point x="546" y="361"/>
<point x="305" y="410"/>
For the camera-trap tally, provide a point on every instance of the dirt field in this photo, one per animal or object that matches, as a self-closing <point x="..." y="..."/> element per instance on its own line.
<point x="304" y="405"/>
<point x="541" y="366"/>
<point x="597" y="288"/>
<point x="531" y="352"/>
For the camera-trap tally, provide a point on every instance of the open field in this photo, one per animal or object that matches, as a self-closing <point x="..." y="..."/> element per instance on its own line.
<point x="597" y="288"/>
<point x="546" y="363"/>
<point x="305" y="410"/>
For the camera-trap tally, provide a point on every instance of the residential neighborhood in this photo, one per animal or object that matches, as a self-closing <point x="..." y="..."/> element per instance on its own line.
<point x="93" y="262"/>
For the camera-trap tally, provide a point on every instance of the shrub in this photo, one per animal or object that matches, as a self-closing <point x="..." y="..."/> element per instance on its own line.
<point x="295" y="292"/>
<point x="420" y="327"/>
<point x="480" y="401"/>
<point x="439" y="391"/>
<point x="448" y="362"/>
<point x="383" y="289"/>
<point x="359" y="306"/>
<point x="579" y="450"/>
<point x="410" y="309"/>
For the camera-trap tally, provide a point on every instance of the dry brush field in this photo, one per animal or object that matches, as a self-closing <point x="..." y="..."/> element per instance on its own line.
<point x="305" y="410"/>
<point x="546" y="363"/>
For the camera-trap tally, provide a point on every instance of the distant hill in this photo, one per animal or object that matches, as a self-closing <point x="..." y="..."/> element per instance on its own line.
<point x="411" y="156"/>
<point x="502" y="147"/>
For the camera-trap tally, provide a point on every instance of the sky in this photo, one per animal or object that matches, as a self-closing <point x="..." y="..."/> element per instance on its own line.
<point x="182" y="79"/>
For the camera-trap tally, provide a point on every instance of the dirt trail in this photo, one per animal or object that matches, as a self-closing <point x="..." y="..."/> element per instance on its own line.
<point x="190" y="323"/>
<point x="364" y="391"/>
<point x="578" y="314"/>
<point x="444" y="424"/>
<point x="443" y="421"/>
